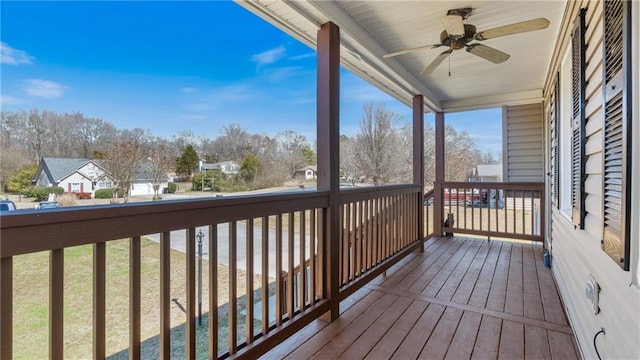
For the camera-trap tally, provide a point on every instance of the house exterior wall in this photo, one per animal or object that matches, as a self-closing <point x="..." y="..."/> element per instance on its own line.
<point x="76" y="182"/>
<point x="142" y="188"/>
<point x="523" y="154"/>
<point x="577" y="253"/>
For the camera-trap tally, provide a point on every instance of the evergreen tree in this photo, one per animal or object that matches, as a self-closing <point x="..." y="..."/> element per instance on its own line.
<point x="187" y="161"/>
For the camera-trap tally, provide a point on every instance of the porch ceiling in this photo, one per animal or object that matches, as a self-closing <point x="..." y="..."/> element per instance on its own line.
<point x="371" y="29"/>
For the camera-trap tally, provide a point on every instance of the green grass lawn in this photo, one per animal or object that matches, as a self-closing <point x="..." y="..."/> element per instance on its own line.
<point x="31" y="302"/>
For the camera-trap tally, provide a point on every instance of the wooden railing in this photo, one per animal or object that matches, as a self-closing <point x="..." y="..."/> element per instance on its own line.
<point x="268" y="235"/>
<point x="379" y="225"/>
<point x="504" y="210"/>
<point x="428" y="213"/>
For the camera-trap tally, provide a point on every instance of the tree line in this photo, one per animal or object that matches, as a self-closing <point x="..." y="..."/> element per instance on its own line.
<point x="379" y="152"/>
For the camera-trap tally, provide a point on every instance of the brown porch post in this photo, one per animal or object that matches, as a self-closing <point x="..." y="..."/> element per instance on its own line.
<point x="418" y="159"/>
<point x="328" y="138"/>
<point x="437" y="189"/>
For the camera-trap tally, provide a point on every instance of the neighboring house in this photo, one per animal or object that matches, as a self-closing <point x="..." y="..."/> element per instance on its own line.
<point x="307" y="172"/>
<point x="488" y="173"/>
<point x="229" y="167"/>
<point x="84" y="175"/>
<point x="73" y="175"/>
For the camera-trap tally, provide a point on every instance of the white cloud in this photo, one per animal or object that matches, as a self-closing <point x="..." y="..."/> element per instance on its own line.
<point x="9" y="100"/>
<point x="303" y="56"/>
<point x="188" y="90"/>
<point x="44" y="88"/>
<point x="269" y="56"/>
<point x="11" y="56"/>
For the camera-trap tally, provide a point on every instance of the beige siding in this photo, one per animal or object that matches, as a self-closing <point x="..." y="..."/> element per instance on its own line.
<point x="577" y="253"/>
<point x="523" y="155"/>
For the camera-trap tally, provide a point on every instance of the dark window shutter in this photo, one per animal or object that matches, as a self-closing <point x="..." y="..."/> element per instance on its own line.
<point x="554" y="125"/>
<point x="617" y="131"/>
<point x="578" y="159"/>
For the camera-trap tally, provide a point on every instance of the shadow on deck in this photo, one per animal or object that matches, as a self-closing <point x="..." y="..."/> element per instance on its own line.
<point x="461" y="298"/>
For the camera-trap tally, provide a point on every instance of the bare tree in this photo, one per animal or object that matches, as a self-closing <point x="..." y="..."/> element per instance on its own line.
<point x="376" y="144"/>
<point x="161" y="161"/>
<point x="461" y="154"/>
<point x="291" y="146"/>
<point x="124" y="158"/>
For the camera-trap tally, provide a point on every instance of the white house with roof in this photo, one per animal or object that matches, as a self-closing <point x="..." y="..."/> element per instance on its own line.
<point x="307" y="172"/>
<point x="488" y="173"/>
<point x="228" y="167"/>
<point x="87" y="176"/>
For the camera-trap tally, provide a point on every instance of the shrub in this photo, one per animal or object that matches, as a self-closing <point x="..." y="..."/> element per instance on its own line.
<point x="172" y="187"/>
<point x="83" y="195"/>
<point x="107" y="193"/>
<point x="41" y="193"/>
<point x="67" y="199"/>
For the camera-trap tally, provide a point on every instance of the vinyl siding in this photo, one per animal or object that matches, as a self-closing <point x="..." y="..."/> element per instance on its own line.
<point x="578" y="253"/>
<point x="523" y="155"/>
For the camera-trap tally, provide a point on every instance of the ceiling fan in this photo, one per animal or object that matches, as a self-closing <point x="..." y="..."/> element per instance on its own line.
<point x="458" y="35"/>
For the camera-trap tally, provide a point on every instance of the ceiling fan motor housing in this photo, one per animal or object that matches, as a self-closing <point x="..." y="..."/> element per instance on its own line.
<point x="458" y="43"/>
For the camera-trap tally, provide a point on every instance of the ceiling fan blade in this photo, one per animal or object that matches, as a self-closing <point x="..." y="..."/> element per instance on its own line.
<point x="525" y="26"/>
<point x="453" y="25"/>
<point x="434" y="64"/>
<point x="411" y="50"/>
<point x="488" y="53"/>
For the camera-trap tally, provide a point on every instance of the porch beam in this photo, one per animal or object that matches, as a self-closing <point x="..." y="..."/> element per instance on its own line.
<point x="328" y="139"/>
<point x="418" y="158"/>
<point x="437" y="192"/>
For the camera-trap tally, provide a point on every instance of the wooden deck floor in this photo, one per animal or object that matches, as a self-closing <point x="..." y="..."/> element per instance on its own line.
<point x="461" y="299"/>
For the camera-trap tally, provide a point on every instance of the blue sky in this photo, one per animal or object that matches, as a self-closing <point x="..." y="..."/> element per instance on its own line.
<point x="168" y="67"/>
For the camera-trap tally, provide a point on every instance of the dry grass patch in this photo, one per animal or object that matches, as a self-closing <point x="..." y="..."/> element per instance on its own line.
<point x="31" y="301"/>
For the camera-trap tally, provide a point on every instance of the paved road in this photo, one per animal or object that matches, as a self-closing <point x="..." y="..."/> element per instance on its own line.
<point x="178" y="242"/>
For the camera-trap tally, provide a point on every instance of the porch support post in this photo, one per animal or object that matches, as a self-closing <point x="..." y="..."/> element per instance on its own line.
<point x="437" y="189"/>
<point x="418" y="160"/>
<point x="328" y="137"/>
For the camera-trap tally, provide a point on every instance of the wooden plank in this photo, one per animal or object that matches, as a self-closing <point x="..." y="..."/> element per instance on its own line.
<point x="265" y="275"/>
<point x="323" y="337"/>
<point x="532" y="300"/>
<point x="536" y="343"/>
<point x="453" y="281"/>
<point x="376" y="331"/>
<point x="486" y="346"/>
<point x="349" y="335"/>
<point x="302" y="286"/>
<point x="514" y="302"/>
<point x="423" y="281"/>
<point x="386" y="346"/>
<point x="561" y="346"/>
<point x="483" y="283"/>
<point x="213" y="290"/>
<point x="291" y="270"/>
<point x="467" y="284"/>
<point x="56" y="304"/>
<point x="279" y="289"/>
<point x="412" y="345"/>
<point x="438" y="343"/>
<point x="511" y="340"/>
<point x="233" y="288"/>
<point x="498" y="291"/>
<point x="444" y="271"/>
<point x="190" y="272"/>
<point x="165" y="295"/>
<point x="6" y="308"/>
<point x="99" y="302"/>
<point x="464" y="339"/>
<point x="135" y="298"/>
<point x="249" y="300"/>
<point x="553" y="311"/>
<point x="411" y="270"/>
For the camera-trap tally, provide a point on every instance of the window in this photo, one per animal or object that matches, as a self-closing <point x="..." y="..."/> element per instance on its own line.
<point x="617" y="131"/>
<point x="75" y="187"/>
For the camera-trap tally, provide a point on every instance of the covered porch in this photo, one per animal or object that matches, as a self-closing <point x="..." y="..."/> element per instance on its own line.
<point x="461" y="298"/>
<point x="357" y="272"/>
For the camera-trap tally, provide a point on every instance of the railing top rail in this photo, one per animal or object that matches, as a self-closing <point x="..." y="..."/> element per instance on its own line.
<point x="32" y="231"/>
<point x="494" y="185"/>
<point x="374" y="192"/>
